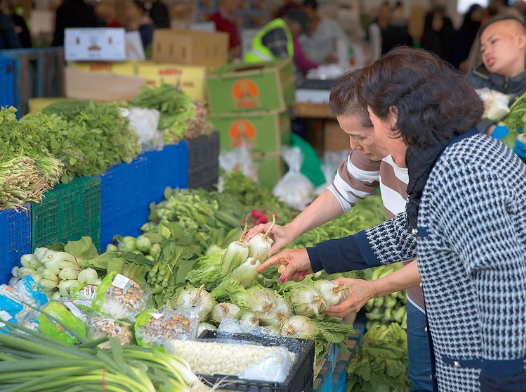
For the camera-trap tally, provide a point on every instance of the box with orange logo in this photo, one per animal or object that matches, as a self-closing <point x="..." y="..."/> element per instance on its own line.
<point x="262" y="132"/>
<point x="236" y="88"/>
<point x="191" y="79"/>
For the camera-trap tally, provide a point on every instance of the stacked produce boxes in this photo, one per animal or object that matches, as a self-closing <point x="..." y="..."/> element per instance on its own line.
<point x="248" y="105"/>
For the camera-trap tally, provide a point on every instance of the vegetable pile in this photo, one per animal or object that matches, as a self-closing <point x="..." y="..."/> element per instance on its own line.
<point x="181" y="116"/>
<point x="380" y="363"/>
<point x="515" y="121"/>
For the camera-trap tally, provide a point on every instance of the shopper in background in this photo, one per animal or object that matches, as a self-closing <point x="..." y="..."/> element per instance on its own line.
<point x="279" y="39"/>
<point x="138" y="20"/>
<point x="159" y="14"/>
<point x="20" y="24"/>
<point x="105" y="12"/>
<point x="359" y="176"/>
<point x="225" y="20"/>
<point x="392" y="36"/>
<point x="503" y="68"/>
<point x="183" y="14"/>
<point x="319" y="42"/>
<point x="465" y="36"/>
<point x="72" y="13"/>
<point x="8" y="37"/>
<point x="464" y="219"/>
<point x="438" y="36"/>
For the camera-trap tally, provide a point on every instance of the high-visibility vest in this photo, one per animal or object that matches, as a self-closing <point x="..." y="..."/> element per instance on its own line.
<point x="258" y="52"/>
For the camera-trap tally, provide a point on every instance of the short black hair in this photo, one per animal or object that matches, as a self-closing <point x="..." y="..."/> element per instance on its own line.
<point x="500" y="19"/>
<point x="343" y="98"/>
<point x="311" y="4"/>
<point x="139" y="4"/>
<point x="433" y="101"/>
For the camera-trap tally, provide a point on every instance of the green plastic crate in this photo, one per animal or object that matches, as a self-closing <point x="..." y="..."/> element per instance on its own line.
<point x="67" y="213"/>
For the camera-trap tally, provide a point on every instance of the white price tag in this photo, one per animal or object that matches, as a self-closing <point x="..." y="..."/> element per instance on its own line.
<point x="156" y="316"/>
<point x="120" y="281"/>
<point x="4" y="316"/>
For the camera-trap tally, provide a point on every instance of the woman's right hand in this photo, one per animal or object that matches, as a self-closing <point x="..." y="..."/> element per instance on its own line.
<point x="282" y="235"/>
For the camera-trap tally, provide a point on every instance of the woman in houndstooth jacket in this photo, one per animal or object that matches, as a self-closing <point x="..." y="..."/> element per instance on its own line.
<point x="464" y="222"/>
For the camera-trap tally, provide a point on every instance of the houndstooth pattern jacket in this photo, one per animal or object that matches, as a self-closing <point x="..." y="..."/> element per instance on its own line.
<point x="471" y="252"/>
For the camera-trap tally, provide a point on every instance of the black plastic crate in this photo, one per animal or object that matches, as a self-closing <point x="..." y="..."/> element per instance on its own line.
<point x="203" y="161"/>
<point x="299" y="379"/>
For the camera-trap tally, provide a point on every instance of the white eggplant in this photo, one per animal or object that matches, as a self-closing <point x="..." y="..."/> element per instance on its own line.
<point x="307" y="301"/>
<point x="299" y="327"/>
<point x="332" y="293"/>
<point x="223" y="310"/>
<point x="198" y="299"/>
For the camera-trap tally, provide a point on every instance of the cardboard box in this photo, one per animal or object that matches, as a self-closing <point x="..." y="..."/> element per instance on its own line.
<point x="190" y="47"/>
<point x="191" y="79"/>
<point x="251" y="87"/>
<point x="270" y="168"/>
<point x="334" y="139"/>
<point x="262" y="132"/>
<point x="101" y="87"/>
<point x="115" y="68"/>
<point x="95" y="44"/>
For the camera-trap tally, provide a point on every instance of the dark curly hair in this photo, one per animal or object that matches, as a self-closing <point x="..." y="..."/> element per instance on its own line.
<point x="343" y="99"/>
<point x="433" y="101"/>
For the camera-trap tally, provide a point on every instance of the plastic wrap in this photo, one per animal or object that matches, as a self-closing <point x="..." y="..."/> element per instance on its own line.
<point x="67" y="313"/>
<point x="239" y="159"/>
<point x="294" y="188"/>
<point x="85" y="291"/>
<point x="153" y="329"/>
<point x="241" y="359"/>
<point x="100" y="327"/>
<point x="495" y="104"/>
<point x="120" y="298"/>
<point x="145" y="123"/>
<point x="22" y="301"/>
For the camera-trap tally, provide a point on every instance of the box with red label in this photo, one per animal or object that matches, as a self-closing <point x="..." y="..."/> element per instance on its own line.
<point x="236" y="88"/>
<point x="128" y="68"/>
<point x="262" y="132"/>
<point x="191" y="79"/>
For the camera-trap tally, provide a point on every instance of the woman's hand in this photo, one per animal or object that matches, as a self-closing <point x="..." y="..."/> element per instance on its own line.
<point x="361" y="291"/>
<point x="294" y="264"/>
<point x="282" y="235"/>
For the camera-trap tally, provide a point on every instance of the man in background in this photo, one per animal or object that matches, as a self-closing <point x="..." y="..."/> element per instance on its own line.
<point x="225" y="20"/>
<point x="8" y="37"/>
<point x="159" y="14"/>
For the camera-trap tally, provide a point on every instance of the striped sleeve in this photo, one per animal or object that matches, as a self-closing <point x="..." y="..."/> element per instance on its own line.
<point x="357" y="178"/>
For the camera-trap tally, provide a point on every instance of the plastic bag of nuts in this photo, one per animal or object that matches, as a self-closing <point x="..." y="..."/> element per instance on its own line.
<point x="100" y="327"/>
<point x="154" y="329"/>
<point x="119" y="297"/>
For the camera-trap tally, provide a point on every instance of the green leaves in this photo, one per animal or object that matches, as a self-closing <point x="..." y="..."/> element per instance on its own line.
<point x="380" y="364"/>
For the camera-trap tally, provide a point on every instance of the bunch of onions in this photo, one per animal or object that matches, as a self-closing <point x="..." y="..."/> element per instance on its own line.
<point x="260" y="245"/>
<point x="307" y="301"/>
<point x="193" y="298"/>
<point x="299" y="327"/>
<point x="332" y="293"/>
<point x="223" y="310"/>
<point x="283" y="310"/>
<point x="249" y="319"/>
<point x="261" y="301"/>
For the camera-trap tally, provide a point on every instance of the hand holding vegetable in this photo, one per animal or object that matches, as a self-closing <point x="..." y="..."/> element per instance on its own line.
<point x="361" y="292"/>
<point x="282" y="235"/>
<point x="295" y="264"/>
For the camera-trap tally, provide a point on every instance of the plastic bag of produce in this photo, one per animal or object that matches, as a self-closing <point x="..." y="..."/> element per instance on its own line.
<point x="236" y="358"/>
<point x="100" y="327"/>
<point x="145" y="123"/>
<point x="120" y="297"/>
<point x="67" y="313"/>
<point x="23" y="300"/>
<point x="294" y="188"/>
<point x="495" y="104"/>
<point x="85" y="291"/>
<point x="239" y="159"/>
<point x="154" y="329"/>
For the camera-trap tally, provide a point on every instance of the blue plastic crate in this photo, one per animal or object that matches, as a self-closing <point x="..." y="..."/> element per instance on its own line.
<point x="15" y="239"/>
<point x="7" y="82"/>
<point x="126" y="224"/>
<point x="168" y="168"/>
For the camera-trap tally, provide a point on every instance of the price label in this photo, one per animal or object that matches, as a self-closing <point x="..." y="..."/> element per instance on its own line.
<point x="120" y="281"/>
